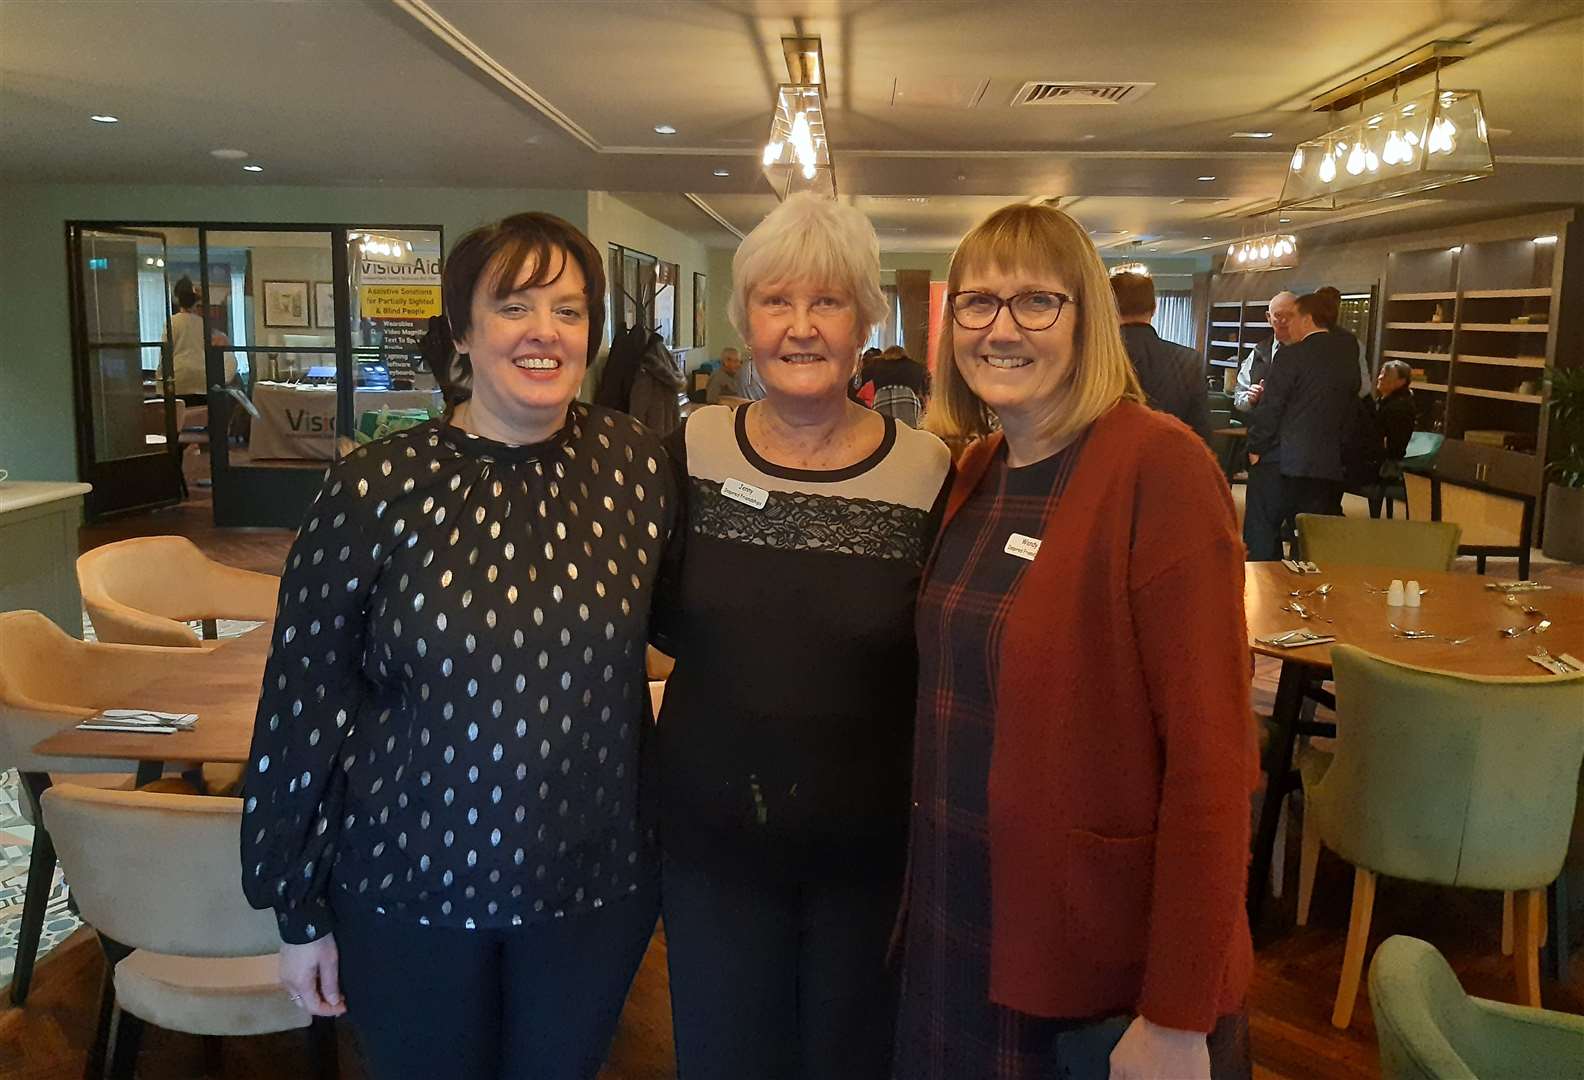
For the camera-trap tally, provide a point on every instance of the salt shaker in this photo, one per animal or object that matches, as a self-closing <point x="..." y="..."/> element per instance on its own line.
<point x="1394" y="595"/>
<point x="1411" y="594"/>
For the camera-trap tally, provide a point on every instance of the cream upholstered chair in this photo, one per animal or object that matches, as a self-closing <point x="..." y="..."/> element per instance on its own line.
<point x="143" y="591"/>
<point x="159" y="877"/>
<point x="49" y="681"/>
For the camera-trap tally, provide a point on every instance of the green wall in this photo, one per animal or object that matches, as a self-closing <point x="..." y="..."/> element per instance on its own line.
<point x="37" y="423"/>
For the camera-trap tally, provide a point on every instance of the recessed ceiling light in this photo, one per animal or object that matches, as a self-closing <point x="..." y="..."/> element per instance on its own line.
<point x="664" y="129"/>
<point x="104" y="118"/>
<point x="1283" y="221"/>
<point x="1252" y="134"/>
<point x="1204" y="238"/>
<point x="229" y="155"/>
<point x="1204" y="179"/>
<point x="252" y="168"/>
<point x="722" y="172"/>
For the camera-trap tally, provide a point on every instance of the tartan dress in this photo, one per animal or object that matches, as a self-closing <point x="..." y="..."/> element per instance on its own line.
<point x="948" y="1028"/>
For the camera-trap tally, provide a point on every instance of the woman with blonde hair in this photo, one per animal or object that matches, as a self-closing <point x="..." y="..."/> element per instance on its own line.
<point x="1083" y="758"/>
<point x="785" y="737"/>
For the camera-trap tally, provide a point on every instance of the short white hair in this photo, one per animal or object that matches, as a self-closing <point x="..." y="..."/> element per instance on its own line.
<point x="811" y="238"/>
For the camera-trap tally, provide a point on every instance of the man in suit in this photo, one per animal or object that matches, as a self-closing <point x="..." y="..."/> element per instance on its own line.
<point x="1299" y="429"/>
<point x="1251" y="376"/>
<point x="1172" y="375"/>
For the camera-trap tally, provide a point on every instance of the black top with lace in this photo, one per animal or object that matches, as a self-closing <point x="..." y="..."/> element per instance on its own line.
<point x="449" y="724"/>
<point x="785" y="739"/>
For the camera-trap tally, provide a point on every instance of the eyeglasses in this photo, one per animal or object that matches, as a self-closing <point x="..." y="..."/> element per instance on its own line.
<point x="1030" y="310"/>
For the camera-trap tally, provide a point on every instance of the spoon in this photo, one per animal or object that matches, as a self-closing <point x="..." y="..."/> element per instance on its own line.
<point x="1304" y="613"/>
<point x="1527" y="609"/>
<point x="1519" y="631"/>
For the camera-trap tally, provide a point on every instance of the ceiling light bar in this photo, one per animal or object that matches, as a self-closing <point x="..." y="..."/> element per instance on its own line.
<point x="804" y="59"/>
<point x="1425" y="60"/>
<point x="1273" y="251"/>
<point x="797" y="156"/>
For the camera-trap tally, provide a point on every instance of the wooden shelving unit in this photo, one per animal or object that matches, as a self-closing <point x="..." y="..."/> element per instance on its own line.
<point x="1232" y="333"/>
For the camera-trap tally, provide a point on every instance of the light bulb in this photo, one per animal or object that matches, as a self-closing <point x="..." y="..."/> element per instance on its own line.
<point x="808" y="170"/>
<point x="1396" y="150"/>
<point x="771" y="153"/>
<point x="1355" y="160"/>
<point x="1231" y="248"/>
<point x="1441" y="139"/>
<point x="1242" y="255"/>
<point x="1298" y="159"/>
<point x="1371" y="160"/>
<point x="1327" y="169"/>
<point x="1264" y="251"/>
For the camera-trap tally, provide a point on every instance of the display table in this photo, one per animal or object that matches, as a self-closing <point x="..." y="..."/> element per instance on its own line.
<point x="298" y="422"/>
<point x="38" y="536"/>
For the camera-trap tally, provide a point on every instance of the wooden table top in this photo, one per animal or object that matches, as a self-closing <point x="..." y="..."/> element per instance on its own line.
<point x="225" y="699"/>
<point x="1455" y="605"/>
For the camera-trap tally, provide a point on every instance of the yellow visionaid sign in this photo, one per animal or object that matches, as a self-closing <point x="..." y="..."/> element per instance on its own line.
<point x="399" y="301"/>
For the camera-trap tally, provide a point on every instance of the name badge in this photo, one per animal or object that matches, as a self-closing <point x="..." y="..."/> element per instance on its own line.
<point x="746" y="494"/>
<point x="1024" y="547"/>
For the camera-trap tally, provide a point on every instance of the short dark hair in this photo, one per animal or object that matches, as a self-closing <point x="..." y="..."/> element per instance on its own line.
<point x="1330" y="306"/>
<point x="1135" y="294"/>
<point x="186" y="295"/>
<point x="1314" y="306"/>
<point x="501" y="250"/>
<point x="1403" y="369"/>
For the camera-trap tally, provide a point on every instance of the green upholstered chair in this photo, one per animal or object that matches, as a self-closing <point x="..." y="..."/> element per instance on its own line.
<point x="1447" y="779"/>
<point x="1412" y="545"/>
<point x="1429" y="1029"/>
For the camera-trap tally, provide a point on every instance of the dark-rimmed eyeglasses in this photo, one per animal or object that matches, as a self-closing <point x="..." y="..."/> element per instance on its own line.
<point x="1030" y="310"/>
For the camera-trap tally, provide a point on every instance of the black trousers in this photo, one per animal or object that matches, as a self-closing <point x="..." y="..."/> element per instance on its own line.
<point x="536" y="1002"/>
<point x="1272" y="500"/>
<point x="775" y="980"/>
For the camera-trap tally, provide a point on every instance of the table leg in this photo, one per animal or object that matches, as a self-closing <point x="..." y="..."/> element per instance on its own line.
<point x="1277" y="763"/>
<point x="148" y="772"/>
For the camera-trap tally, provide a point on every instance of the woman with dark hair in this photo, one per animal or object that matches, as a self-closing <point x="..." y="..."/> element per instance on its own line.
<point x="186" y="339"/>
<point x="441" y="803"/>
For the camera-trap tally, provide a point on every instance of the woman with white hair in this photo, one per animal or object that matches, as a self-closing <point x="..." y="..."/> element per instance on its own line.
<point x="785" y="735"/>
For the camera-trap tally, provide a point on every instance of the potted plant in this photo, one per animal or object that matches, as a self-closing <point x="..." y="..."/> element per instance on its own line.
<point x="1564" y="519"/>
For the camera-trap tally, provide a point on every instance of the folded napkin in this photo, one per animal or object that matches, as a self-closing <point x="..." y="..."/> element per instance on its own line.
<point x="143" y="721"/>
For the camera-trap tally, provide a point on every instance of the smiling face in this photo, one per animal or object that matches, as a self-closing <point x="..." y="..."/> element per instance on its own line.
<point x="1020" y="374"/>
<point x="805" y="338"/>
<point x="528" y="349"/>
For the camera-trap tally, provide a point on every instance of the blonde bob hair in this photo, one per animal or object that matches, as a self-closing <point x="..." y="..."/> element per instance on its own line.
<point x="1038" y="240"/>
<point x="811" y="238"/>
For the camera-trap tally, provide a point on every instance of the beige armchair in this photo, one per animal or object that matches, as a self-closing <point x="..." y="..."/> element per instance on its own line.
<point x="49" y="681"/>
<point x="143" y="591"/>
<point x="159" y="877"/>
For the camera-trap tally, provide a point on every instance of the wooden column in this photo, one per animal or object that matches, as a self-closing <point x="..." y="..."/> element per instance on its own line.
<point x="913" y="296"/>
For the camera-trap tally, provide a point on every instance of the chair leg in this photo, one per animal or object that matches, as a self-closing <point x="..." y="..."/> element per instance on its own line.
<point x="41" y="875"/>
<point x="1507" y="924"/>
<point x="126" y="1037"/>
<point x="1308" y="862"/>
<point x="1279" y="849"/>
<point x="1526" y="944"/>
<point x="1357" y="945"/>
<point x="322" y="1042"/>
<point x="214" y="1057"/>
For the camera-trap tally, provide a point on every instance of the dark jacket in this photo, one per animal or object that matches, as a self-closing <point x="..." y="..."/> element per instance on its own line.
<point x="1395" y="415"/>
<point x="1310" y="407"/>
<point x="1172" y="376"/>
<point x="896" y="372"/>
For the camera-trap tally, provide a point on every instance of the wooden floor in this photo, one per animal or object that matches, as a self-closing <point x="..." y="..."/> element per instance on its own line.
<point x="1289" y="1002"/>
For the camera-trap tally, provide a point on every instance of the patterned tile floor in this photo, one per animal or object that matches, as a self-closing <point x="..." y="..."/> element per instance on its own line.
<point x="16" y="847"/>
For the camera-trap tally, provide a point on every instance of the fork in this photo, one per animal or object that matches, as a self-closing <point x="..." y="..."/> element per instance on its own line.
<point x="1519" y="631"/>
<point x="1540" y="651"/>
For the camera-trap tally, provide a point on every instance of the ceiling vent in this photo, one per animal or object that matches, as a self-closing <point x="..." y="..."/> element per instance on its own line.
<point x="1081" y="93"/>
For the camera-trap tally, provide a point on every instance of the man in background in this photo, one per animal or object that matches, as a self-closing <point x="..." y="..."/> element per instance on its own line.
<point x="1251" y="376"/>
<point x="1172" y="375"/>
<point x="1299" y="430"/>
<point x="725" y="380"/>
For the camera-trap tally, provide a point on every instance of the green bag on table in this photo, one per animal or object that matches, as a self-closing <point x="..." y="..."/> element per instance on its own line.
<point x="376" y="424"/>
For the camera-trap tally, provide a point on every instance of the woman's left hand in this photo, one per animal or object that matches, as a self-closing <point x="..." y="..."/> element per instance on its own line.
<point x="1150" y="1052"/>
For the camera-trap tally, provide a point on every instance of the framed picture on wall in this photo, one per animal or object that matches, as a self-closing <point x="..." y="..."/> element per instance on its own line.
<point x="324" y="305"/>
<point x="700" y="310"/>
<point x="286" y="303"/>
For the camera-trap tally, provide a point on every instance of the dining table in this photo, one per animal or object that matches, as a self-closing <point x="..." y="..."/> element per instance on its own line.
<point x="1465" y="612"/>
<point x="224" y="699"/>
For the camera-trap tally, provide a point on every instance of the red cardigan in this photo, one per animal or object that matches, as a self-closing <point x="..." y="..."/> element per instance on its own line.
<point x="1124" y="756"/>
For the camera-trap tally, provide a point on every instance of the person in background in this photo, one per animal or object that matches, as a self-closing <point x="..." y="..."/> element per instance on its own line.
<point x="901" y="385"/>
<point x="725" y="380"/>
<point x="1299" y="431"/>
<point x="441" y="802"/>
<point x="186" y="339"/>
<point x="1251" y="376"/>
<point x="1395" y="414"/>
<point x="784" y="738"/>
<point x="1328" y="314"/>
<point x="1083" y="760"/>
<point x="1171" y="375"/>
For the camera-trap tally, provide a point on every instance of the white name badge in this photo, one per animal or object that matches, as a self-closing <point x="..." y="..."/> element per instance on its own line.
<point x="1024" y="547"/>
<point x="746" y="494"/>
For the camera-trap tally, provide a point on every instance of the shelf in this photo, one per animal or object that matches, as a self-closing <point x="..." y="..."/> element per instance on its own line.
<point x="1258" y="325"/>
<point x="1503" y="361"/>
<point x="1226" y="344"/>
<point x="1258" y="303"/>
<point x="1233" y="325"/>
<point x="1419" y="326"/>
<point x="1433" y="387"/>
<point x="1403" y="354"/>
<point x="1226" y="364"/>
<point x="1228" y="303"/>
<point x="1499" y="395"/>
<point x="1423" y="296"/>
<point x="1508" y="328"/>
<point x="1497" y="294"/>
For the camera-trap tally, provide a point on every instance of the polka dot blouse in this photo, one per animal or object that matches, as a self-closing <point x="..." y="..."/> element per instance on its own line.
<point x="449" y="723"/>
